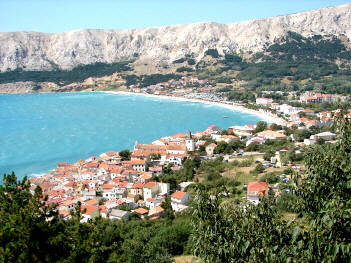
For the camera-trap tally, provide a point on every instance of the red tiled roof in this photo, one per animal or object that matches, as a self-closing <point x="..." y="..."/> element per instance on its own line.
<point x="103" y="208"/>
<point x="88" y="209"/>
<point x="178" y="195"/>
<point x="137" y="162"/>
<point x="150" y="185"/>
<point x="137" y="186"/>
<point x="108" y="186"/>
<point x="92" y="202"/>
<point x="256" y="186"/>
<point x="141" y="211"/>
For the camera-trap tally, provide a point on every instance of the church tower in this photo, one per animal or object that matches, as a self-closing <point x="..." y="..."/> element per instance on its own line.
<point x="190" y="144"/>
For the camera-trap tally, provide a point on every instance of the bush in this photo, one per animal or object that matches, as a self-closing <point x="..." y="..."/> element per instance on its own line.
<point x="184" y="69"/>
<point x="191" y="61"/>
<point x="212" y="52"/>
<point x="181" y="60"/>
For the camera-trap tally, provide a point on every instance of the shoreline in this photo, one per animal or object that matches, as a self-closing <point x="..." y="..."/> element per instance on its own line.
<point x="265" y="116"/>
<point x="270" y="118"/>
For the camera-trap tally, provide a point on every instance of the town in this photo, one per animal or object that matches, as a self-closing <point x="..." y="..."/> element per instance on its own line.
<point x="126" y="184"/>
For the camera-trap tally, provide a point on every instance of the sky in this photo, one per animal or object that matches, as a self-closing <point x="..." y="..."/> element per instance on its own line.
<point x="53" y="16"/>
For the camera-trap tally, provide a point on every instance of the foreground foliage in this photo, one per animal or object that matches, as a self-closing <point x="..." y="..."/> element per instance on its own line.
<point x="31" y="233"/>
<point x="231" y="232"/>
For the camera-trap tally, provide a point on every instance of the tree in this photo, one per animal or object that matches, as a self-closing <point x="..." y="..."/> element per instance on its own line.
<point x="230" y="232"/>
<point x="25" y="232"/>
<point x="168" y="211"/>
<point x="155" y="156"/>
<point x="260" y="126"/>
<point x="268" y="155"/>
<point x="252" y="147"/>
<point x="302" y="134"/>
<point x="125" y="154"/>
<point x="275" y="127"/>
<point x="212" y="52"/>
<point x="221" y="148"/>
<point x="259" y="168"/>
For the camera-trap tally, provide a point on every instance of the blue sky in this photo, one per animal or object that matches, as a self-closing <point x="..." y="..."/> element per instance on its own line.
<point x="65" y="15"/>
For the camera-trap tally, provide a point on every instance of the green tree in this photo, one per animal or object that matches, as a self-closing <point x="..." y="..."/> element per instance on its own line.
<point x="155" y="156"/>
<point x="259" y="168"/>
<point x="125" y="154"/>
<point x="168" y="211"/>
<point x="227" y="232"/>
<point x="260" y="126"/>
<point x="25" y="232"/>
<point x="212" y="52"/>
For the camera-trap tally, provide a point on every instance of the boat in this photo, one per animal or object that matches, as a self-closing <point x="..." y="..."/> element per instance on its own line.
<point x="225" y="117"/>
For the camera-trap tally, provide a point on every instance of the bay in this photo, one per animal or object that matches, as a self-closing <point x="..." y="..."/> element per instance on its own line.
<point x="39" y="130"/>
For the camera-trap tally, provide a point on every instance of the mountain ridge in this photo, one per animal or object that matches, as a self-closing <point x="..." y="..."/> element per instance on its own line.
<point x="28" y="50"/>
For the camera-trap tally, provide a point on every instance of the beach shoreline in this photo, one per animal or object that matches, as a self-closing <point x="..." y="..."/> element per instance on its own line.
<point x="270" y="118"/>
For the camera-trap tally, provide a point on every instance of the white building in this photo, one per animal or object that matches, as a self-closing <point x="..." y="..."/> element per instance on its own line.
<point x="180" y="197"/>
<point x="190" y="144"/>
<point x="288" y="109"/>
<point x="256" y="191"/>
<point x="263" y="101"/>
<point x="119" y="214"/>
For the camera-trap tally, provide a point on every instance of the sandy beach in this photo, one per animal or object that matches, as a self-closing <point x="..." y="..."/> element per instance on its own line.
<point x="270" y="118"/>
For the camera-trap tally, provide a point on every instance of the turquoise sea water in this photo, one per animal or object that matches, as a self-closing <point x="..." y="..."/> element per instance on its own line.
<point x="39" y="130"/>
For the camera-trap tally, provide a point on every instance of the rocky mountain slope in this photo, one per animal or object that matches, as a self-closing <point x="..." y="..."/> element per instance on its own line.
<point x="41" y="51"/>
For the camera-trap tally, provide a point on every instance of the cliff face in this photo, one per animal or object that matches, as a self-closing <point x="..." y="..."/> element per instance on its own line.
<point x="40" y="51"/>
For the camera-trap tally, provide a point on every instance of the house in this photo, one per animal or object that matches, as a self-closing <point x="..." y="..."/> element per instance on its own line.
<point x="164" y="188"/>
<point x="288" y="109"/>
<point x="142" y="212"/>
<point x="311" y="97"/>
<point x="309" y="123"/>
<point x="89" y="212"/>
<point x="103" y="211"/>
<point x="272" y="135"/>
<point x="137" y="189"/>
<point x="327" y="136"/>
<point x="180" y="197"/>
<point x="227" y="138"/>
<point x="157" y="211"/>
<point x="176" y="149"/>
<point x="178" y="207"/>
<point x="257" y="139"/>
<point x="150" y="190"/>
<point x="242" y="131"/>
<point x="92" y="202"/>
<point x="309" y="142"/>
<point x="119" y="214"/>
<point x="263" y="101"/>
<point x="213" y="129"/>
<point x="175" y="159"/>
<point x="137" y="165"/>
<point x="109" y="195"/>
<point x="308" y="112"/>
<point x="120" y="192"/>
<point x="210" y="149"/>
<point x="156" y="170"/>
<point x="256" y="191"/>
<point x="145" y="177"/>
<point x="152" y="202"/>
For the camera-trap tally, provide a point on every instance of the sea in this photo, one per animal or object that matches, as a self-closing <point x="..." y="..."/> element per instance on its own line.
<point x="39" y="130"/>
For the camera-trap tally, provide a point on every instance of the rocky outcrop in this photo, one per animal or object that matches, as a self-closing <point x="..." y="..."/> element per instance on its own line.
<point x="40" y="51"/>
